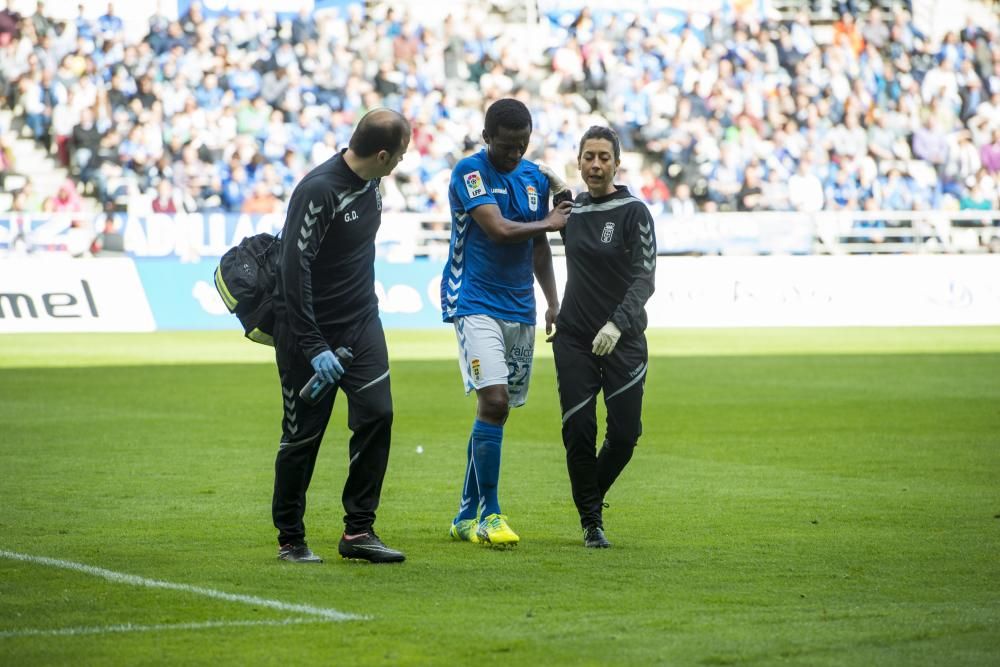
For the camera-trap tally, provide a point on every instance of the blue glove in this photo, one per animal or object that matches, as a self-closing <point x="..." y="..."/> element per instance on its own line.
<point x="327" y="366"/>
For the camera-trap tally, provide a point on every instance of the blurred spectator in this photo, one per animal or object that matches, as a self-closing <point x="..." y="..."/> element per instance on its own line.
<point x="874" y="30"/>
<point x="681" y="204"/>
<point x="964" y="160"/>
<point x="9" y="20"/>
<point x="990" y="154"/>
<point x="654" y="191"/>
<point x="985" y="187"/>
<point x="67" y="199"/>
<point x="7" y="161"/>
<point x="261" y="201"/>
<point x="977" y="198"/>
<point x="930" y="144"/>
<point x="726" y="178"/>
<point x="164" y="201"/>
<point x="40" y="23"/>
<point x="896" y="193"/>
<point x="235" y="189"/>
<point x="750" y="197"/>
<point x="774" y="192"/>
<point x="842" y="192"/>
<point x="110" y="26"/>
<point x="805" y="189"/>
<point x="37" y="98"/>
<point x="26" y="200"/>
<point x="84" y="143"/>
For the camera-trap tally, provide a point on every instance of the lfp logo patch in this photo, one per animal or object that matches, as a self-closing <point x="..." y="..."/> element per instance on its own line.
<point x="474" y="184"/>
<point x="532" y="198"/>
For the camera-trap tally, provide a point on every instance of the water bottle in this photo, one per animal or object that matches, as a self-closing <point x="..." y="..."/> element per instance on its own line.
<point x="317" y="387"/>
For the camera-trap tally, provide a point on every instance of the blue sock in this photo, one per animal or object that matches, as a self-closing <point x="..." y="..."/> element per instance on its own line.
<point x="486" y="441"/>
<point x="469" y="508"/>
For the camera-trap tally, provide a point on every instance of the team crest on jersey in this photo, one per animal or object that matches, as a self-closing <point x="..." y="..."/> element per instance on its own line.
<point x="477" y="373"/>
<point x="474" y="184"/>
<point x="532" y="198"/>
<point x="609" y="231"/>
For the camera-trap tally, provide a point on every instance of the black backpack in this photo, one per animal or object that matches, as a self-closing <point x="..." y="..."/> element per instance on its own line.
<point x="245" y="280"/>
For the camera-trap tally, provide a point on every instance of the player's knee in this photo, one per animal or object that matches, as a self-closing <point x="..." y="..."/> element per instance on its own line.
<point x="494" y="412"/>
<point x="494" y="405"/>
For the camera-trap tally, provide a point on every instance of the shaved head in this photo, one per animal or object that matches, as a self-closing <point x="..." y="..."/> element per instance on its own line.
<point x="379" y="130"/>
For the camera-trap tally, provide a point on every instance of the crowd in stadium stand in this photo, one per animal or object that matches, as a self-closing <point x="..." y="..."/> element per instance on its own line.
<point x="227" y="113"/>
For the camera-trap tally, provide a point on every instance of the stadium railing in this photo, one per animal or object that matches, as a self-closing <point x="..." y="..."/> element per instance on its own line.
<point x="830" y="233"/>
<point x="407" y="236"/>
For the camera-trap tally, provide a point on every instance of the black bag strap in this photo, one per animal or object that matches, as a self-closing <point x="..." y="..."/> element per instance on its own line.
<point x="261" y="257"/>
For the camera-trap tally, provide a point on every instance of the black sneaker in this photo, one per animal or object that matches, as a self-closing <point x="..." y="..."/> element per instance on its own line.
<point x="593" y="538"/>
<point x="367" y="546"/>
<point x="297" y="553"/>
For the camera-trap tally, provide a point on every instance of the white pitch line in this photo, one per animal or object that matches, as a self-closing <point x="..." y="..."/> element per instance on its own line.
<point x="122" y="578"/>
<point x="129" y="627"/>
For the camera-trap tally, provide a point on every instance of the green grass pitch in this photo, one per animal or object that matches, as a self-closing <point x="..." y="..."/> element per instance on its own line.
<point x="805" y="497"/>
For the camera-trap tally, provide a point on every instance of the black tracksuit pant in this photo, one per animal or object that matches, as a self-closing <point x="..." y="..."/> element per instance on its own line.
<point x="581" y="375"/>
<point x="369" y="416"/>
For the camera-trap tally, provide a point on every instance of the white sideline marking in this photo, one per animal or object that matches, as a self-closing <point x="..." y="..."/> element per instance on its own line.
<point x="122" y="578"/>
<point x="129" y="627"/>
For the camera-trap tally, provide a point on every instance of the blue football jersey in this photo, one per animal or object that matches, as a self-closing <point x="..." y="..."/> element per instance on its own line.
<point x="483" y="277"/>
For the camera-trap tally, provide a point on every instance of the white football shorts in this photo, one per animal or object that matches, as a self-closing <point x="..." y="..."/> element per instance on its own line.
<point x="492" y="351"/>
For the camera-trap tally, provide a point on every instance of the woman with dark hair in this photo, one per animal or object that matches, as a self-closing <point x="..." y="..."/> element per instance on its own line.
<point x="601" y="344"/>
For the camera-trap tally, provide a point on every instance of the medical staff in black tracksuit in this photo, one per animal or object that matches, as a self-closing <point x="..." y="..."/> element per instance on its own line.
<point x="600" y="344"/>
<point x="325" y="299"/>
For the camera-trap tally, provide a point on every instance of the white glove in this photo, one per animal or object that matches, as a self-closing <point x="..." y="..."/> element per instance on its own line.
<point x="556" y="184"/>
<point x="606" y="339"/>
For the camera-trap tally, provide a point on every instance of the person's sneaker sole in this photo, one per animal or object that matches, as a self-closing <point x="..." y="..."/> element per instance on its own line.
<point x="374" y="557"/>
<point x="498" y="545"/>
<point x="484" y="539"/>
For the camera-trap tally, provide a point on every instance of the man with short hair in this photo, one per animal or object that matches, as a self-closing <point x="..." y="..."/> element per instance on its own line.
<point x="325" y="299"/>
<point x="500" y="214"/>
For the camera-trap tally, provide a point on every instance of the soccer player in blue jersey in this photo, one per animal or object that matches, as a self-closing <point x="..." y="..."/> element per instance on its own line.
<point x="499" y="214"/>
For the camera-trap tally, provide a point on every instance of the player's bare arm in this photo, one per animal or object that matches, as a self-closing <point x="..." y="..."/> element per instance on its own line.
<point x="501" y="230"/>
<point x="546" y="277"/>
